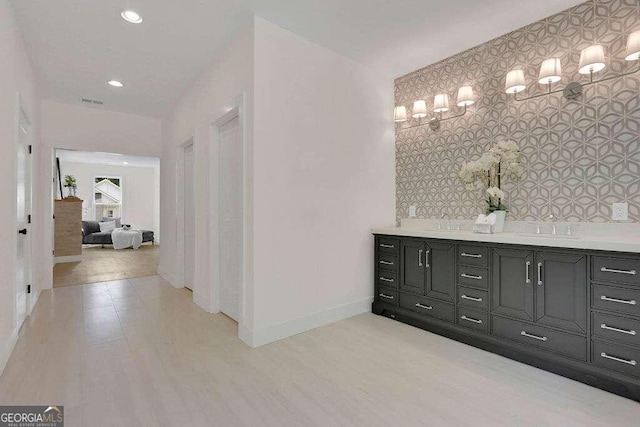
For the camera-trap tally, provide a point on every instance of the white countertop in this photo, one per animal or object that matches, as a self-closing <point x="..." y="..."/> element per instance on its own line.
<point x="602" y="237"/>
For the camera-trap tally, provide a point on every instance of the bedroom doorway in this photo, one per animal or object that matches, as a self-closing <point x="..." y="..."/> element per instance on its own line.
<point x="107" y="217"/>
<point x="189" y="218"/>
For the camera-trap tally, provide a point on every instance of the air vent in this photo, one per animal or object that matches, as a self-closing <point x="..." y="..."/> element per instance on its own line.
<point x="92" y="101"/>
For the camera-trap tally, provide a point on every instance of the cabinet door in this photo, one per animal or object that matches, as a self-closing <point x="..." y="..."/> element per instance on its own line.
<point x="412" y="266"/>
<point x="511" y="284"/>
<point x="440" y="271"/>
<point x="561" y="290"/>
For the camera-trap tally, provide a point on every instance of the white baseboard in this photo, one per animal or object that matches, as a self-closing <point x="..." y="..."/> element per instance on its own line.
<point x="6" y="349"/>
<point x="202" y="302"/>
<point x="257" y="338"/>
<point x="164" y="273"/>
<point x="33" y="299"/>
<point x="63" y="259"/>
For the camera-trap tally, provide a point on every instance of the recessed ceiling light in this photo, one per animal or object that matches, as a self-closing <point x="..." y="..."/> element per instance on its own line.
<point x="125" y="163"/>
<point x="131" y="16"/>
<point x="115" y="83"/>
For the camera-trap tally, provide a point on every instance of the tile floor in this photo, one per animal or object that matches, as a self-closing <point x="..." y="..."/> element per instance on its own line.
<point x="139" y="353"/>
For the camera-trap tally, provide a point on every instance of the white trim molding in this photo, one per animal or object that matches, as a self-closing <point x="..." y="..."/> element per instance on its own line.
<point x="5" y="353"/>
<point x="169" y="277"/>
<point x="63" y="259"/>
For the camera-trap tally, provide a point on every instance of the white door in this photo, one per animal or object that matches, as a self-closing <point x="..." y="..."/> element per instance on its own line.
<point x="23" y="214"/>
<point x="189" y="219"/>
<point x="231" y="215"/>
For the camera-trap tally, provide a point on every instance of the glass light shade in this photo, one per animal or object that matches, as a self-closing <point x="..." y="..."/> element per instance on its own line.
<point x="400" y="114"/>
<point x="441" y="103"/>
<point x="419" y="109"/>
<point x="592" y="60"/>
<point x="550" y="71"/>
<point x="633" y="47"/>
<point x="465" y="96"/>
<point x="515" y="82"/>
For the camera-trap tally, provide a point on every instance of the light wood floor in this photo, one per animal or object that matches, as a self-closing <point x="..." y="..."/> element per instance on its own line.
<point x="139" y="353"/>
<point x="104" y="264"/>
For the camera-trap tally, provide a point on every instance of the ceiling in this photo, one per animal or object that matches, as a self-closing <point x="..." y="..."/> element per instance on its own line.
<point x="111" y="159"/>
<point x="76" y="46"/>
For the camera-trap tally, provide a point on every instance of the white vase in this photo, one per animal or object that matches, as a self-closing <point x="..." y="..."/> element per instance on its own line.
<point x="498" y="227"/>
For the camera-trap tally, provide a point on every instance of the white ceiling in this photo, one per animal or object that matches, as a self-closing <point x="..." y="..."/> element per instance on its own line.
<point x="77" y="45"/>
<point x="111" y="159"/>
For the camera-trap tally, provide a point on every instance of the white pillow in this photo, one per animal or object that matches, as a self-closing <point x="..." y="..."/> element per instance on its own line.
<point x="107" y="226"/>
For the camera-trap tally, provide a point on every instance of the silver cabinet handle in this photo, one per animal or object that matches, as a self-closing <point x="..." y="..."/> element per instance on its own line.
<point x="470" y="276"/>
<point x="384" y="245"/>
<point x="471" y="298"/>
<point x="470" y="319"/>
<point x="526" y="269"/>
<point x="536" y="337"/>
<point x="621" y="301"/>
<point x="420" y="257"/>
<point x="613" y="270"/>
<point x="386" y="279"/>
<point x="386" y="296"/>
<point x="618" y="359"/>
<point x="623" y="331"/>
<point x="426" y="258"/>
<point x="383" y="262"/>
<point x="471" y="255"/>
<point x="539" y="274"/>
<point x="426" y="307"/>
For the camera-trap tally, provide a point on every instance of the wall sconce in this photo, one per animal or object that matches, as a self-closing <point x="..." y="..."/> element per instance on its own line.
<point x="591" y="61"/>
<point x="440" y="105"/>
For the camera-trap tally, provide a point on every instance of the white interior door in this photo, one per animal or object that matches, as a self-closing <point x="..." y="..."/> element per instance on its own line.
<point x="231" y="217"/>
<point x="189" y="218"/>
<point x="23" y="213"/>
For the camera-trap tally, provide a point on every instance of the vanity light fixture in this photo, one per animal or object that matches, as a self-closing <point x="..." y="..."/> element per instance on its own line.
<point x="592" y="60"/>
<point x="441" y="105"/>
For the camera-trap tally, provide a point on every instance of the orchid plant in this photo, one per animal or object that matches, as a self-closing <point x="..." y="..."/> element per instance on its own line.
<point x="504" y="159"/>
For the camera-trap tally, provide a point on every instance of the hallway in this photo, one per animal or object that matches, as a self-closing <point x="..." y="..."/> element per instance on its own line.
<point x="138" y="352"/>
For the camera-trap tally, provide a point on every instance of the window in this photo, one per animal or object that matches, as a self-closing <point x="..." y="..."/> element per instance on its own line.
<point x="107" y="197"/>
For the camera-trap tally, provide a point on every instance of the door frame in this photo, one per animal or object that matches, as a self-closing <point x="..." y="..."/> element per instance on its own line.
<point x="180" y="261"/>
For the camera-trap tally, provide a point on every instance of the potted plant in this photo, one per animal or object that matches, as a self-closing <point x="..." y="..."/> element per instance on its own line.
<point x="502" y="160"/>
<point x="71" y="185"/>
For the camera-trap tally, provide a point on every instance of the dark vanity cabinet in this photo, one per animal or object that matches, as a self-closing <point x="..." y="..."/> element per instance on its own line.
<point x="572" y="312"/>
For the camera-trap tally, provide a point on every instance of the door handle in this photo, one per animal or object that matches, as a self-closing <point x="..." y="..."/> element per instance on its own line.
<point x="23" y="231"/>
<point x="420" y="258"/>
<point x="426" y="258"/>
<point x="539" y="274"/>
<point x="526" y="268"/>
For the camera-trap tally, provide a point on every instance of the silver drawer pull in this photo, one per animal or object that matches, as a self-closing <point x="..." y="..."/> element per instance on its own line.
<point x="613" y="270"/>
<point x="623" y="331"/>
<point x="526" y="272"/>
<point x="426" y="258"/>
<point x="384" y="279"/>
<point x="618" y="359"/>
<point x="471" y="255"/>
<point x="470" y="276"/>
<point x="386" y="262"/>
<point x="386" y="296"/>
<point x="384" y="245"/>
<point x="621" y="301"/>
<point x="536" y="337"/>
<point x="471" y="298"/>
<point x="539" y="274"/>
<point x="470" y="319"/>
<point x="426" y="307"/>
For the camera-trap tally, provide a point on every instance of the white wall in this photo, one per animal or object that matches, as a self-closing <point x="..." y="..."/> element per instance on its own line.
<point x="139" y="191"/>
<point x="16" y="75"/>
<point x="81" y="128"/>
<point x="215" y="93"/>
<point x="323" y="176"/>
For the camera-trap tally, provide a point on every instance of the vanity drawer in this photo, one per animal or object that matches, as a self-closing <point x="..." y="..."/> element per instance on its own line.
<point x="617" y="270"/>
<point x="388" y="245"/>
<point x="616" y="299"/>
<point x="541" y="337"/>
<point x="616" y="357"/>
<point x="387" y="278"/>
<point x="473" y="298"/>
<point x="473" y="319"/>
<point x="387" y="295"/>
<point x="473" y="255"/>
<point x="428" y="306"/>
<point x="473" y="276"/>
<point x="616" y="328"/>
<point x="387" y="262"/>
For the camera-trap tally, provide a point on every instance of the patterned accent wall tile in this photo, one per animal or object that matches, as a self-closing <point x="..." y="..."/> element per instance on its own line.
<point x="580" y="155"/>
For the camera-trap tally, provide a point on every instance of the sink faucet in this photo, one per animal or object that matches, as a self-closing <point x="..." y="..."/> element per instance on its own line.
<point x="440" y="222"/>
<point x="553" y="225"/>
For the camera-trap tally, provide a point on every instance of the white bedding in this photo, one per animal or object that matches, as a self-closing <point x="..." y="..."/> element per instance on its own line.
<point x="126" y="238"/>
